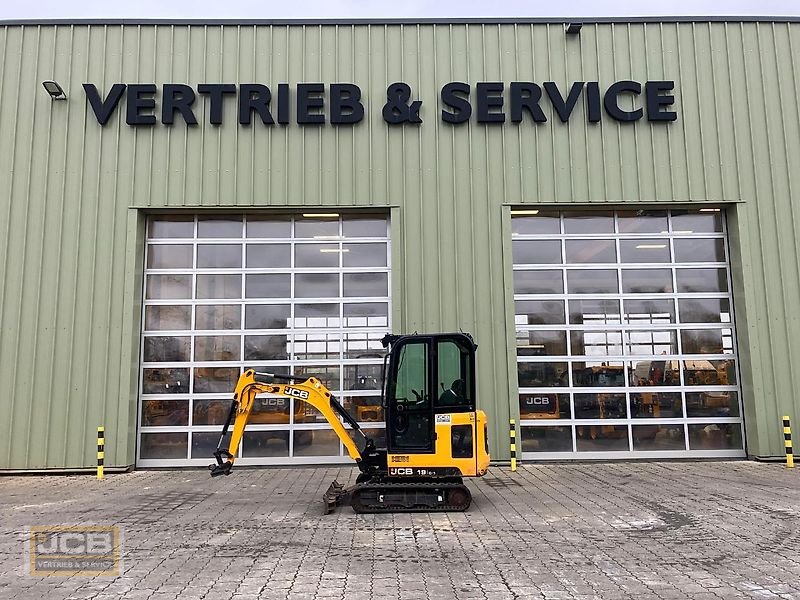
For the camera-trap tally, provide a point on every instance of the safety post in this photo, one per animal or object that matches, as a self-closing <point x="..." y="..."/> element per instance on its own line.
<point x="101" y="454"/>
<point x="513" y="433"/>
<point x="787" y="441"/>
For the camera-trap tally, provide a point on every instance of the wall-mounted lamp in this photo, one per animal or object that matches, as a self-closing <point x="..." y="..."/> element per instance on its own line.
<point x="55" y="91"/>
<point x="573" y="28"/>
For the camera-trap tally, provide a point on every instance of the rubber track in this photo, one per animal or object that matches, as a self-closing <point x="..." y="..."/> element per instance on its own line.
<point x="359" y="507"/>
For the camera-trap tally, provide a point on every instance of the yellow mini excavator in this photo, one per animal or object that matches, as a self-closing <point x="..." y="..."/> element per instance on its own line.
<point x="435" y="436"/>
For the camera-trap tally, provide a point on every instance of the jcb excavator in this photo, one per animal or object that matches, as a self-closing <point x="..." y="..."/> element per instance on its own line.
<point x="434" y="434"/>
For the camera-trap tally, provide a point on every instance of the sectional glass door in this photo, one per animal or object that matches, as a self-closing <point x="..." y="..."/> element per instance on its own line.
<point x="626" y="343"/>
<point x="306" y="294"/>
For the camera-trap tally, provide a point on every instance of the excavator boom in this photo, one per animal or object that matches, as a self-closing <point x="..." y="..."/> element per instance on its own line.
<point x="311" y="391"/>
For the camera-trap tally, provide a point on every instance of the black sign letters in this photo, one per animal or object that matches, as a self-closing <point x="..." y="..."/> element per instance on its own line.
<point x="341" y="103"/>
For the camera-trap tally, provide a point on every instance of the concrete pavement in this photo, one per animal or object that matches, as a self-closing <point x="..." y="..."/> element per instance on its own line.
<point x="704" y="530"/>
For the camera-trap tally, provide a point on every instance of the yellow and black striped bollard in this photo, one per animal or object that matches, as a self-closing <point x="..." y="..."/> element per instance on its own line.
<point x="787" y="441"/>
<point x="101" y="454"/>
<point x="513" y="433"/>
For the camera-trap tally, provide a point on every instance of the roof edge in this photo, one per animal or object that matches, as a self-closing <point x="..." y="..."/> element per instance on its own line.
<point x="411" y="21"/>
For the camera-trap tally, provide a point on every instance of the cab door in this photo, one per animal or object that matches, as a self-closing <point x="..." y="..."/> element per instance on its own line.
<point x="409" y="406"/>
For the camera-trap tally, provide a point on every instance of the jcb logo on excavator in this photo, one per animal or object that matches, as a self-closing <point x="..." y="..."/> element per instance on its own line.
<point x="302" y="394"/>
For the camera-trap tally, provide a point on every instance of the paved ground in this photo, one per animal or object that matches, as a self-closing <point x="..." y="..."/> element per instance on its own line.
<point x="625" y="530"/>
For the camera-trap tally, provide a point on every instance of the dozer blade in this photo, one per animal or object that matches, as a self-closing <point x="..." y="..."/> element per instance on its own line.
<point x="335" y="495"/>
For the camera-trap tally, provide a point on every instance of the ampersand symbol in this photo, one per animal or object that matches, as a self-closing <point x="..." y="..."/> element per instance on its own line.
<point x="397" y="110"/>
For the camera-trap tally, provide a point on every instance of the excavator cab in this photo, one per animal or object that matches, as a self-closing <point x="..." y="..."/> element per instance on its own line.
<point x="435" y="436"/>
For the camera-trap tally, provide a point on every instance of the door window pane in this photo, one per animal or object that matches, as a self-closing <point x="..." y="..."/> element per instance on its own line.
<point x="712" y="404"/>
<point x="366" y="314"/>
<point x="364" y="255"/>
<point x="204" y="444"/>
<point x="588" y="222"/>
<point x="167" y="287"/>
<point x="268" y="443"/>
<point x="312" y="228"/>
<point x="219" y="286"/>
<point x="536" y="252"/>
<point x="266" y="347"/>
<point x="163" y="445"/>
<point x="642" y="221"/>
<point x="316" y="285"/>
<point x="316" y="255"/>
<point x="268" y="256"/>
<point x="645" y="251"/>
<point x="210" y="412"/>
<point x="605" y="374"/>
<point x="704" y="310"/>
<point x="715" y="436"/>
<point x="219" y="227"/>
<point x="215" y="380"/>
<point x="702" y="280"/>
<point x="532" y="223"/>
<point x="166" y="349"/>
<point x="707" y="341"/>
<point x="538" y="282"/>
<point x="268" y="285"/>
<point x="655" y="372"/>
<point x="319" y="442"/>
<point x="646" y="281"/>
<point x="218" y="316"/>
<point x="165" y="413"/>
<point x="216" y="347"/>
<point x="591" y="251"/>
<point x="318" y="315"/>
<point x="699" y="250"/>
<point x="649" y="311"/>
<point x="268" y="227"/>
<point x="656" y="405"/>
<point x="600" y="406"/>
<point x="591" y="281"/>
<point x="601" y="438"/>
<point x="170" y="226"/>
<point x="267" y="316"/>
<point x="654" y="343"/>
<point x="694" y="221"/>
<point x="366" y="284"/>
<point x="546" y="439"/>
<point x="541" y="343"/>
<point x="167" y="318"/>
<point x="542" y="374"/>
<point x="658" y="437"/>
<point x="543" y="405"/>
<point x="219" y="256"/>
<point x="165" y="381"/>
<point x="594" y="311"/>
<point x="596" y="343"/>
<point x="355" y="227"/>
<point x="169" y="256"/>
<point x="538" y="312"/>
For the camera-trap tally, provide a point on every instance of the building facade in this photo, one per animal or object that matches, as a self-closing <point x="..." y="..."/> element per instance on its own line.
<point x="609" y="212"/>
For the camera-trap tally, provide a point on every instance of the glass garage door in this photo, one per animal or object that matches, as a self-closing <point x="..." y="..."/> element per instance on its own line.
<point x="303" y="294"/>
<point x="625" y="338"/>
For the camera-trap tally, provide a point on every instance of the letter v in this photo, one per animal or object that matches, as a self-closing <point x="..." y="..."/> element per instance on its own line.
<point x="103" y="109"/>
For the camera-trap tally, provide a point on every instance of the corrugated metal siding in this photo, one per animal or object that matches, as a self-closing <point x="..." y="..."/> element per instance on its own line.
<point x="70" y="286"/>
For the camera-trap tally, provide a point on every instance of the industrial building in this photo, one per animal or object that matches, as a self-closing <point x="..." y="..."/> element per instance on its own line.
<point x="607" y="206"/>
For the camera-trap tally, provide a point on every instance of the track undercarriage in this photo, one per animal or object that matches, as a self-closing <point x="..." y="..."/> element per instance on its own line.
<point x="382" y="495"/>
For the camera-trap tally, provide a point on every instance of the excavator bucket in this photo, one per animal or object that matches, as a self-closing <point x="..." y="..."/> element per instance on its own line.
<point x="335" y="496"/>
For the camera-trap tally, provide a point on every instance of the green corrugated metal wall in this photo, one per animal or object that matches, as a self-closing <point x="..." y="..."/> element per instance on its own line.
<point x="71" y="223"/>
